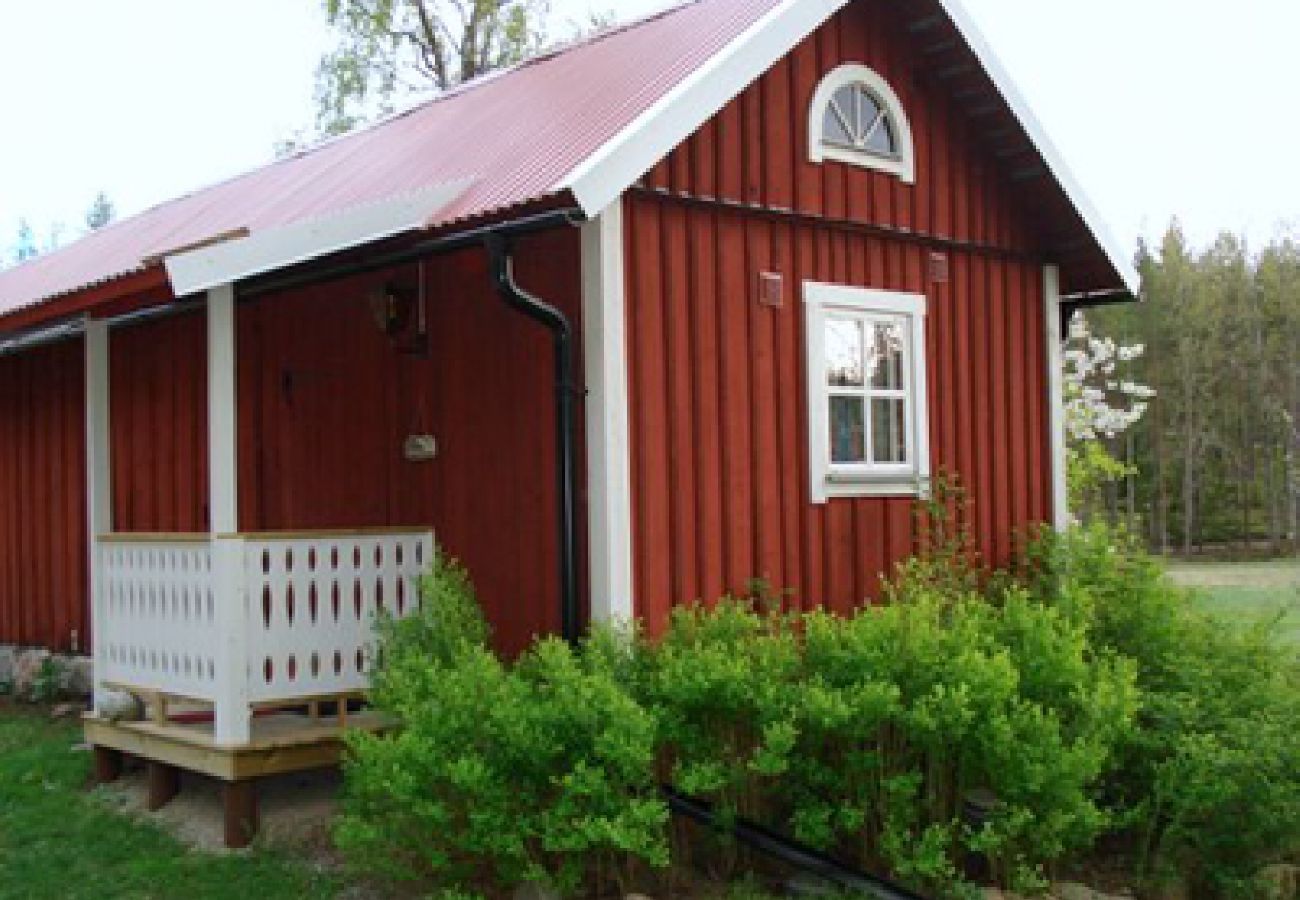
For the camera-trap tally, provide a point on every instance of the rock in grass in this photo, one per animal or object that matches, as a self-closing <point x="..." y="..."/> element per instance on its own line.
<point x="119" y="707"/>
<point x="67" y="710"/>
<point x="805" y="885"/>
<point x="531" y="890"/>
<point x="1280" y="882"/>
<point x="1072" y="890"/>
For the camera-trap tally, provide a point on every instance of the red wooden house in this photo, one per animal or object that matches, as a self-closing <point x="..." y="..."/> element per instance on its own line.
<point x="701" y="299"/>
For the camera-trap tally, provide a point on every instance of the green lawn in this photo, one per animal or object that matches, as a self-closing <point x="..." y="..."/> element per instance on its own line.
<point x="58" y="840"/>
<point x="1248" y="592"/>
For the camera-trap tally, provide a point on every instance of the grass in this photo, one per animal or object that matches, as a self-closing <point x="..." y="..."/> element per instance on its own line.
<point x="1248" y="592"/>
<point x="58" y="840"/>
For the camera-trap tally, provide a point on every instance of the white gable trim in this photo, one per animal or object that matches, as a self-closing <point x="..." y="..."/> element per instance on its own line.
<point x="612" y="169"/>
<point x="602" y="177"/>
<point x="1046" y="149"/>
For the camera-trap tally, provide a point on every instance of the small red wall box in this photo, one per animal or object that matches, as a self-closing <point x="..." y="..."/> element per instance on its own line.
<point x="938" y="268"/>
<point x="771" y="289"/>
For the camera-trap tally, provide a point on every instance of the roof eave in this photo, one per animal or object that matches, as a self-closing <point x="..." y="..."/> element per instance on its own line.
<point x="605" y="175"/>
<point x="1024" y="114"/>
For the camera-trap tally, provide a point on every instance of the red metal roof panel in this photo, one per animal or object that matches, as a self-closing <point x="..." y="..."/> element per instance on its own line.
<point x="514" y="134"/>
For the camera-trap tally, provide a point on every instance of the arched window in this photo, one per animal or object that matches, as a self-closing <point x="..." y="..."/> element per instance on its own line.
<point x="856" y="118"/>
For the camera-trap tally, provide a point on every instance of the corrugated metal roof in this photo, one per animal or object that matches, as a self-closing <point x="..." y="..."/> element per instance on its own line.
<point x="515" y="135"/>
<point x="585" y="119"/>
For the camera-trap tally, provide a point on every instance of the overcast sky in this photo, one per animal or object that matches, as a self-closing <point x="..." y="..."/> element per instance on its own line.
<point x="1161" y="107"/>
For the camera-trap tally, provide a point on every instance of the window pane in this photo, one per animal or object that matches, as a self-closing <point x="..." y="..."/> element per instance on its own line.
<point x="848" y="430"/>
<point x="868" y="109"/>
<point x="833" y="130"/>
<point x="887" y="355"/>
<point x="846" y="99"/>
<point x="882" y="139"/>
<point x="888" y="430"/>
<point x="844" y="353"/>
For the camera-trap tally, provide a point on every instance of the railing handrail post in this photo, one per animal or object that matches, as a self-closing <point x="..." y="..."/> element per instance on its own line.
<point x="99" y="623"/>
<point x="233" y="713"/>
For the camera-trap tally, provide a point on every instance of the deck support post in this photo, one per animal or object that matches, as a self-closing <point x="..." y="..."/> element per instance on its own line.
<point x="108" y="765"/>
<point x="164" y="784"/>
<point x="1055" y="363"/>
<point x="99" y="488"/>
<point x="239" y="802"/>
<point x="609" y="478"/>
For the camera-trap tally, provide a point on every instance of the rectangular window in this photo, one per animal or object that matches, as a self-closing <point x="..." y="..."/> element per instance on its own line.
<point x="866" y="392"/>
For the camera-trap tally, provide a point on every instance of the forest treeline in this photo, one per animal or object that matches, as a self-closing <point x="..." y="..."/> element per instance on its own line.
<point x="1215" y="461"/>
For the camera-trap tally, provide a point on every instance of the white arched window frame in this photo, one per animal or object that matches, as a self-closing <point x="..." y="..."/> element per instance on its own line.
<point x="902" y="163"/>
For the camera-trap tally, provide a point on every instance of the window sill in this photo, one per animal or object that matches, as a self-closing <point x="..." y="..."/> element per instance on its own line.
<point x="838" y="485"/>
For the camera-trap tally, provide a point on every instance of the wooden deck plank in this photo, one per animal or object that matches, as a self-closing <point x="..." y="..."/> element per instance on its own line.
<point x="287" y="742"/>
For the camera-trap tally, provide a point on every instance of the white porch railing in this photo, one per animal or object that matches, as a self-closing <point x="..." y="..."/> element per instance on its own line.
<point x="249" y="620"/>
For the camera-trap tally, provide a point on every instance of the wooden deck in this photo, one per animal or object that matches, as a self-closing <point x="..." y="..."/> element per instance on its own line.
<point x="282" y="742"/>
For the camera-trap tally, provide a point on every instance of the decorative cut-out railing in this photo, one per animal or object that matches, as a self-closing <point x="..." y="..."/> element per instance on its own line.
<point x="247" y="621"/>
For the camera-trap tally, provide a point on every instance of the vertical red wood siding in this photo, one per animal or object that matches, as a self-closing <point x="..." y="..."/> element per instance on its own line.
<point x="158" y="377"/>
<point x="327" y="402"/>
<point x="719" y="419"/>
<point x="42" y="498"/>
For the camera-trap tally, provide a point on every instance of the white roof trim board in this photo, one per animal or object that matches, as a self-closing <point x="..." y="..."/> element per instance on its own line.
<point x="198" y="270"/>
<point x="1046" y="149"/>
<point x="616" y="166"/>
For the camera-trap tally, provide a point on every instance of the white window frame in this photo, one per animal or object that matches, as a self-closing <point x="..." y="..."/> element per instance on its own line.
<point x="903" y="166"/>
<point x="829" y="479"/>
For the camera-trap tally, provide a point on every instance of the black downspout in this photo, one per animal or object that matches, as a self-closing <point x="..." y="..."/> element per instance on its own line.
<point x="503" y="276"/>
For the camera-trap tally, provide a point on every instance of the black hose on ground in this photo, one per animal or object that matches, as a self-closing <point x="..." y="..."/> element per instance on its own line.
<point x="792" y="853"/>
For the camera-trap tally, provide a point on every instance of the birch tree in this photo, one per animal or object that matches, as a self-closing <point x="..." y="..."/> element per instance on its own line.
<point x="390" y="49"/>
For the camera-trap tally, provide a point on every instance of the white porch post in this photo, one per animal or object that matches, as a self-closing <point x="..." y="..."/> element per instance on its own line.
<point x="609" y="478"/>
<point x="223" y="471"/>
<point x="99" y="487"/>
<point x="1055" y="395"/>
<point x="233" y="717"/>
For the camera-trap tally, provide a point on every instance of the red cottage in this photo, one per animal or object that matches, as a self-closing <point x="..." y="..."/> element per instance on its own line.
<point x="704" y="298"/>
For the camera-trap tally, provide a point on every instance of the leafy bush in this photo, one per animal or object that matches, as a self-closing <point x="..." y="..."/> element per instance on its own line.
<point x="864" y="734"/>
<point x="539" y="771"/>
<point x="49" y="683"/>
<point x="720" y="682"/>
<point x="1082" y="694"/>
<point x="1206" y="783"/>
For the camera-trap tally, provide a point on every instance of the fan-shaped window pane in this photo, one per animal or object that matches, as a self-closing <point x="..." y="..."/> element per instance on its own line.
<point x="881" y="140"/>
<point x="834" y="130"/>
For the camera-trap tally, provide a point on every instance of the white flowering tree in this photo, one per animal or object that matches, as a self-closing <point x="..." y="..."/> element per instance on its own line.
<point x="1100" y="405"/>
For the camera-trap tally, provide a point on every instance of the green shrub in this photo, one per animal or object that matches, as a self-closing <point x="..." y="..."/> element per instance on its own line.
<point x="720" y="682"/>
<point x="540" y="771"/>
<point x="863" y="734"/>
<point x="50" y="682"/>
<point x="1206" y="783"/>
<point x="910" y="707"/>
<point x="1081" y="695"/>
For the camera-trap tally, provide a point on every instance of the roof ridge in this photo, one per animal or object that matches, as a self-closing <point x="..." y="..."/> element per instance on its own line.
<point x="545" y="54"/>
